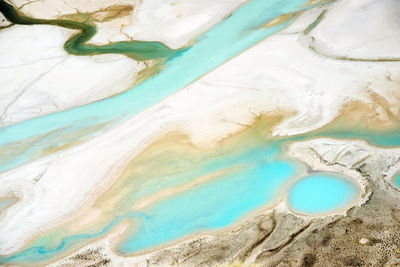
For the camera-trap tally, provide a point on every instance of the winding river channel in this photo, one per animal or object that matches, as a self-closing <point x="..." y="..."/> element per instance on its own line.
<point x="227" y="39"/>
<point x="227" y="184"/>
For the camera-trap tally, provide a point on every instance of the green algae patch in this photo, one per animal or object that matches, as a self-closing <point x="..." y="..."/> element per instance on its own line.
<point x="315" y="23"/>
<point x="139" y="50"/>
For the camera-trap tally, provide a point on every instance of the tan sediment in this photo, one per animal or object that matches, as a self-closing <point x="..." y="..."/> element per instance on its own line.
<point x="352" y="114"/>
<point x="371" y="116"/>
<point x="116" y="239"/>
<point x="112" y="12"/>
<point x="336" y="168"/>
<point x="107" y="199"/>
<point x="102" y="15"/>
<point x="367" y="115"/>
<point x="171" y="153"/>
<point x="375" y="116"/>
<point x="286" y="17"/>
<point x="261" y="127"/>
<point x="106" y="14"/>
<point x="238" y="264"/>
<point x="279" y="20"/>
<point x="81" y="134"/>
<point x="152" y="68"/>
<point x="110" y="195"/>
<point x="11" y="149"/>
<point x="148" y="201"/>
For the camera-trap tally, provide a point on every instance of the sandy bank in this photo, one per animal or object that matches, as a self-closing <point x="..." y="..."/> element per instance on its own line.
<point x="273" y="238"/>
<point x="278" y="74"/>
<point x="38" y="77"/>
<point x="174" y="23"/>
<point x="365" y="29"/>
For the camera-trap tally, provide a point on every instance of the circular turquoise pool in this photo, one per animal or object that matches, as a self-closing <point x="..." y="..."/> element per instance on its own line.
<point x="321" y="193"/>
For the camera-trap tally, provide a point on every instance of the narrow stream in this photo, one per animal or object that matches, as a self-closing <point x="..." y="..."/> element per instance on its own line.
<point x="244" y="179"/>
<point x="76" y="45"/>
<point x="28" y="140"/>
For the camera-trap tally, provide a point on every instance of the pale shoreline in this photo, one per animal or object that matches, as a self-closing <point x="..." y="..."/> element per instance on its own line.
<point x="38" y="86"/>
<point x="281" y="206"/>
<point x="103" y="157"/>
<point x="174" y="23"/>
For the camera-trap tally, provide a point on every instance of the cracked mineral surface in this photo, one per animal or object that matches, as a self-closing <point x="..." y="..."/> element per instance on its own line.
<point x="177" y="133"/>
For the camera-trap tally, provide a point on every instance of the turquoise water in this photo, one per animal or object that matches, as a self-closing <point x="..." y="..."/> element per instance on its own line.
<point x="397" y="179"/>
<point x="215" y="204"/>
<point x="227" y="39"/>
<point x="212" y="205"/>
<point x="260" y="176"/>
<point x="209" y="206"/>
<point x="321" y="193"/>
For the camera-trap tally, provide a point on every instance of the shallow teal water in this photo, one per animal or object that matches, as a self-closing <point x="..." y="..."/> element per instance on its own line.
<point x="397" y="179"/>
<point x="321" y="193"/>
<point x="4" y="203"/>
<point x="222" y="42"/>
<point x="211" y="205"/>
<point x="215" y="204"/>
<point x="262" y="173"/>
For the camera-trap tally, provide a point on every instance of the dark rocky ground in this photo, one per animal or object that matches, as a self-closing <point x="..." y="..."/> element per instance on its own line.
<point x="368" y="235"/>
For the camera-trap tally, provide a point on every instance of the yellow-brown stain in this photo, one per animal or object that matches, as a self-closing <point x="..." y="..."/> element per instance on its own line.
<point x="101" y="15"/>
